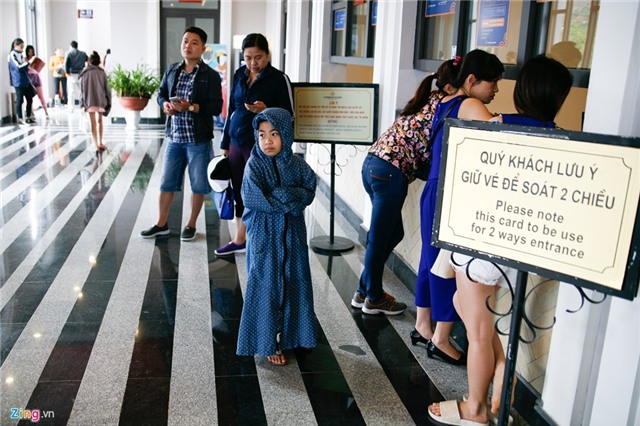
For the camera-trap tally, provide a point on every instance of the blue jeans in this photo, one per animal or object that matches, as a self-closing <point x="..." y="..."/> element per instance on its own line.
<point x="176" y="159"/>
<point x="387" y="188"/>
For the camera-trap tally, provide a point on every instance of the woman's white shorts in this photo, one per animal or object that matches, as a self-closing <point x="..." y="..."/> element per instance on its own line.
<point x="482" y="271"/>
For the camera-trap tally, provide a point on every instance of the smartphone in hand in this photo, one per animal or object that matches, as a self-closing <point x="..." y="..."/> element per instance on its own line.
<point x="174" y="99"/>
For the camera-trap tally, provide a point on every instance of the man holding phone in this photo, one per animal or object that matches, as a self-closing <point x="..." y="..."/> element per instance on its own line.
<point x="190" y="95"/>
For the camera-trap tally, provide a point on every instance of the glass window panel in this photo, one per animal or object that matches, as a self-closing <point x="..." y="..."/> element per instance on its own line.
<point x="440" y="37"/>
<point x="571" y="31"/>
<point x="495" y="27"/>
<point x="359" y="28"/>
<point x="174" y="32"/>
<point x="208" y="25"/>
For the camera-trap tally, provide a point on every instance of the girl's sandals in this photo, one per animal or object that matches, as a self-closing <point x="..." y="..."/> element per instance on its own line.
<point x="277" y="359"/>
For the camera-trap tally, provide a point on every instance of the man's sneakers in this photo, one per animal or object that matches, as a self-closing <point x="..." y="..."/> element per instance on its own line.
<point x="188" y="233"/>
<point x="231" y="248"/>
<point x="358" y="300"/>
<point x="155" y="231"/>
<point x="388" y="305"/>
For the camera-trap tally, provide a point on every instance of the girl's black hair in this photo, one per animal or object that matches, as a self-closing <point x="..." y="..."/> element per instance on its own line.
<point x="256" y="40"/>
<point x="16" y="42"/>
<point x="541" y="88"/>
<point x="27" y="49"/>
<point x="445" y="75"/>
<point x="94" y="58"/>
<point x="484" y="66"/>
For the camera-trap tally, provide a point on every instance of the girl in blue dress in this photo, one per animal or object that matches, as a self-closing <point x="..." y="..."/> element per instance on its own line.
<point x="277" y="186"/>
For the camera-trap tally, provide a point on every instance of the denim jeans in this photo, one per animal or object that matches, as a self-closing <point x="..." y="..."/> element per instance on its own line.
<point x="387" y="188"/>
<point x="176" y="158"/>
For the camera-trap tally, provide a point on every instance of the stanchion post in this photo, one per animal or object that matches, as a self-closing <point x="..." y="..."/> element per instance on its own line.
<point x="512" y="348"/>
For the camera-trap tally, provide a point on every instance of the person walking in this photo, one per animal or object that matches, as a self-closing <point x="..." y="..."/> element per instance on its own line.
<point x="56" y="65"/>
<point x="190" y="95"/>
<point x="74" y="61"/>
<point x="256" y="86"/>
<point x="20" y="81"/>
<point x="96" y="97"/>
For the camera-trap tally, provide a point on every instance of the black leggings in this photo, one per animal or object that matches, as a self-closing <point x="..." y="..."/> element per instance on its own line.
<point x="21" y="92"/>
<point x="238" y="157"/>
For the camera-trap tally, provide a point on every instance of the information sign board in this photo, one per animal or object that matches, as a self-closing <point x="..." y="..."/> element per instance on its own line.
<point x="562" y="204"/>
<point x="336" y="112"/>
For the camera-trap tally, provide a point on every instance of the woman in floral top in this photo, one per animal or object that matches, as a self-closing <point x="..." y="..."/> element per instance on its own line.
<point x="388" y="169"/>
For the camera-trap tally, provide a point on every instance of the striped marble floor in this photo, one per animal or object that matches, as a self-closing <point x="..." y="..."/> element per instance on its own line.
<point x="101" y="327"/>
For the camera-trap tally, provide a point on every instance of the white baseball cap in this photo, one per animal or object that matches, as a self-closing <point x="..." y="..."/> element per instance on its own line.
<point x="219" y="173"/>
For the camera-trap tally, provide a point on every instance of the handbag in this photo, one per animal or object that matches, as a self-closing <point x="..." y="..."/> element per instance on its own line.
<point x="441" y="267"/>
<point x="224" y="203"/>
<point x="424" y="167"/>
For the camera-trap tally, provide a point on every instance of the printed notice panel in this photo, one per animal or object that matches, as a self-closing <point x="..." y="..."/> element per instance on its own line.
<point x="493" y="23"/>
<point x="335" y="113"/>
<point x="440" y="7"/>
<point x="557" y="204"/>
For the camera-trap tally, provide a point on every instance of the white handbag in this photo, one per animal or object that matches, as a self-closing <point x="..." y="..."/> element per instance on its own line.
<point x="442" y="267"/>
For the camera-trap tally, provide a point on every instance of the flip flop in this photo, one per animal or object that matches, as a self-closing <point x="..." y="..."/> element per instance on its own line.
<point x="279" y="356"/>
<point x="493" y="419"/>
<point x="450" y="415"/>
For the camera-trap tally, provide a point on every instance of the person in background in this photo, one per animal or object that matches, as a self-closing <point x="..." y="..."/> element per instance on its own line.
<point x="56" y="65"/>
<point x="34" y="76"/>
<point x="477" y="83"/>
<point x="74" y="61"/>
<point x="96" y="97"/>
<point x="541" y="88"/>
<point x="19" y="79"/>
<point x="277" y="314"/>
<point x="387" y="171"/>
<point x="190" y="95"/>
<point x="107" y="61"/>
<point x="256" y="86"/>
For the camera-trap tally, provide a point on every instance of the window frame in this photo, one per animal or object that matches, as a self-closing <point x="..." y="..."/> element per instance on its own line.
<point x="535" y="22"/>
<point x="347" y="58"/>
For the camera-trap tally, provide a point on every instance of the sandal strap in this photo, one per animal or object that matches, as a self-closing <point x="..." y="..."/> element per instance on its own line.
<point x="449" y="411"/>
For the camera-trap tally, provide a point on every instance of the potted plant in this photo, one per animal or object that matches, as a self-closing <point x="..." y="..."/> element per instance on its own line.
<point x="134" y="87"/>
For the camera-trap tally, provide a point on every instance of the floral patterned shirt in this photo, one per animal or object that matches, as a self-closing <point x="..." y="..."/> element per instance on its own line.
<point x="406" y="143"/>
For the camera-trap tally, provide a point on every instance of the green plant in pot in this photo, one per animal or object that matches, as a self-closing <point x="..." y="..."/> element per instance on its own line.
<point x="135" y="86"/>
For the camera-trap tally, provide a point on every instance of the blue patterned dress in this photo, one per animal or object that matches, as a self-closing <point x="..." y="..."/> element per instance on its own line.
<point x="279" y="296"/>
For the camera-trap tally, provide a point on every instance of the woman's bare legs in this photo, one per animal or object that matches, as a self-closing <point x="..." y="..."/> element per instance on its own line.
<point x="423" y="322"/>
<point x="439" y="336"/>
<point x="94" y="130"/>
<point x="100" y="129"/>
<point x="469" y="301"/>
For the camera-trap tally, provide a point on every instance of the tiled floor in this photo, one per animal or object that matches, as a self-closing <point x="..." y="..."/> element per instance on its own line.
<point x="98" y="326"/>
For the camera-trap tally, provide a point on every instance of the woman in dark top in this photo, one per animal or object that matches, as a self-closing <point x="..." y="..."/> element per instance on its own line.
<point x="256" y="86"/>
<point x="541" y="88"/>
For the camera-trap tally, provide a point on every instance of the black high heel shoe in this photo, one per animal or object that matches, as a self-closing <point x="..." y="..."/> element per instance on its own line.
<point x="432" y="350"/>
<point x="416" y="338"/>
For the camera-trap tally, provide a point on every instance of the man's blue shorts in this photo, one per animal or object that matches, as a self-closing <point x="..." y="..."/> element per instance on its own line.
<point x="176" y="158"/>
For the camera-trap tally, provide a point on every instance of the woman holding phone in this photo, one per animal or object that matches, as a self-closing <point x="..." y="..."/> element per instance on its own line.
<point x="256" y="86"/>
